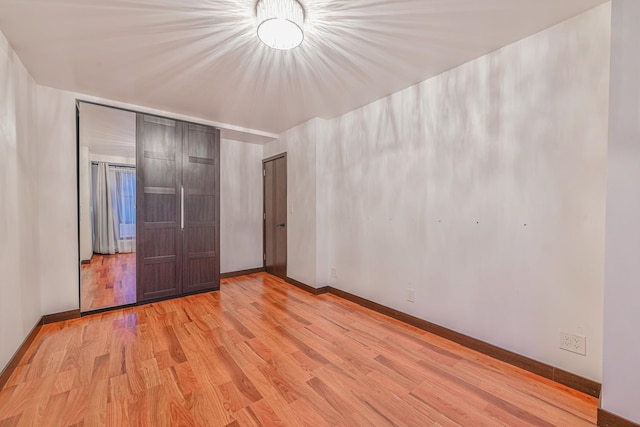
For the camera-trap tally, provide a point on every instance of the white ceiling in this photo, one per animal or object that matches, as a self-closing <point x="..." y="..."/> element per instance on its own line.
<point x="107" y="131"/>
<point x="202" y="58"/>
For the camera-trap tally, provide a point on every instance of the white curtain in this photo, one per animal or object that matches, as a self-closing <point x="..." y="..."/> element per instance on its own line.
<point x="123" y="194"/>
<point x="114" y="215"/>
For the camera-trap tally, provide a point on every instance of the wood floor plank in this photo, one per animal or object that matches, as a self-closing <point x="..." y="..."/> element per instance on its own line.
<point x="108" y="281"/>
<point x="77" y="405"/>
<point x="10" y="422"/>
<point x="261" y="352"/>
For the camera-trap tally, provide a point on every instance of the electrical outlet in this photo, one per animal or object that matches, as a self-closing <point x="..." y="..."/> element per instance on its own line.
<point x="411" y="295"/>
<point x="579" y="344"/>
<point x="573" y="343"/>
<point x="334" y="273"/>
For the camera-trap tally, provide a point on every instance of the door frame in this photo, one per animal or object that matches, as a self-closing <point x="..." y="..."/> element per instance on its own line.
<point x="264" y="207"/>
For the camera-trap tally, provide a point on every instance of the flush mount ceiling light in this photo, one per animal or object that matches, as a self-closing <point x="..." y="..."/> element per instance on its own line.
<point x="280" y="23"/>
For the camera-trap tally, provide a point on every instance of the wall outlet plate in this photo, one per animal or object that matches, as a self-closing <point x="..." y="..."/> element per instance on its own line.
<point x="573" y="343"/>
<point x="334" y="273"/>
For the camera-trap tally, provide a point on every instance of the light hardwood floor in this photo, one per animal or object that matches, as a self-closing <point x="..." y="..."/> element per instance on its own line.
<point x="261" y="352"/>
<point x="108" y="281"/>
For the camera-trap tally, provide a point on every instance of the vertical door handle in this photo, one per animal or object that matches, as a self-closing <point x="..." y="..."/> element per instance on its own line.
<point x="182" y="207"/>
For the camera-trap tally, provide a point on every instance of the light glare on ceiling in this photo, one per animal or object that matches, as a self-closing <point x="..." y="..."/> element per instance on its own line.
<point x="280" y="23"/>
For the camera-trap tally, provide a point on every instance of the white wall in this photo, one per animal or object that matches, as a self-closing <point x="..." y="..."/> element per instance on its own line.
<point x="240" y="206"/>
<point x="19" y="204"/>
<point x="58" y="216"/>
<point x="323" y="202"/>
<point x="621" y="382"/>
<point x="84" y="182"/>
<point x="431" y="189"/>
<point x="300" y="145"/>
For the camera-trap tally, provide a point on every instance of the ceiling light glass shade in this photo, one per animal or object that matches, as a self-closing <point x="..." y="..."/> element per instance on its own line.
<point x="280" y="23"/>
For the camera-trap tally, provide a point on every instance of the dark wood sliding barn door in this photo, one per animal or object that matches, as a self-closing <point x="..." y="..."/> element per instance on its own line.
<point x="159" y="237"/>
<point x="201" y="168"/>
<point x="275" y="216"/>
<point x="178" y="200"/>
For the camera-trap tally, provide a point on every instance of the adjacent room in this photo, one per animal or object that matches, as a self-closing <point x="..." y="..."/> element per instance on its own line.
<point x="313" y="212"/>
<point x="107" y="202"/>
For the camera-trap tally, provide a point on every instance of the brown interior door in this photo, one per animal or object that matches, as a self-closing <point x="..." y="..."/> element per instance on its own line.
<point x="275" y="215"/>
<point x="201" y="154"/>
<point x="159" y="238"/>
